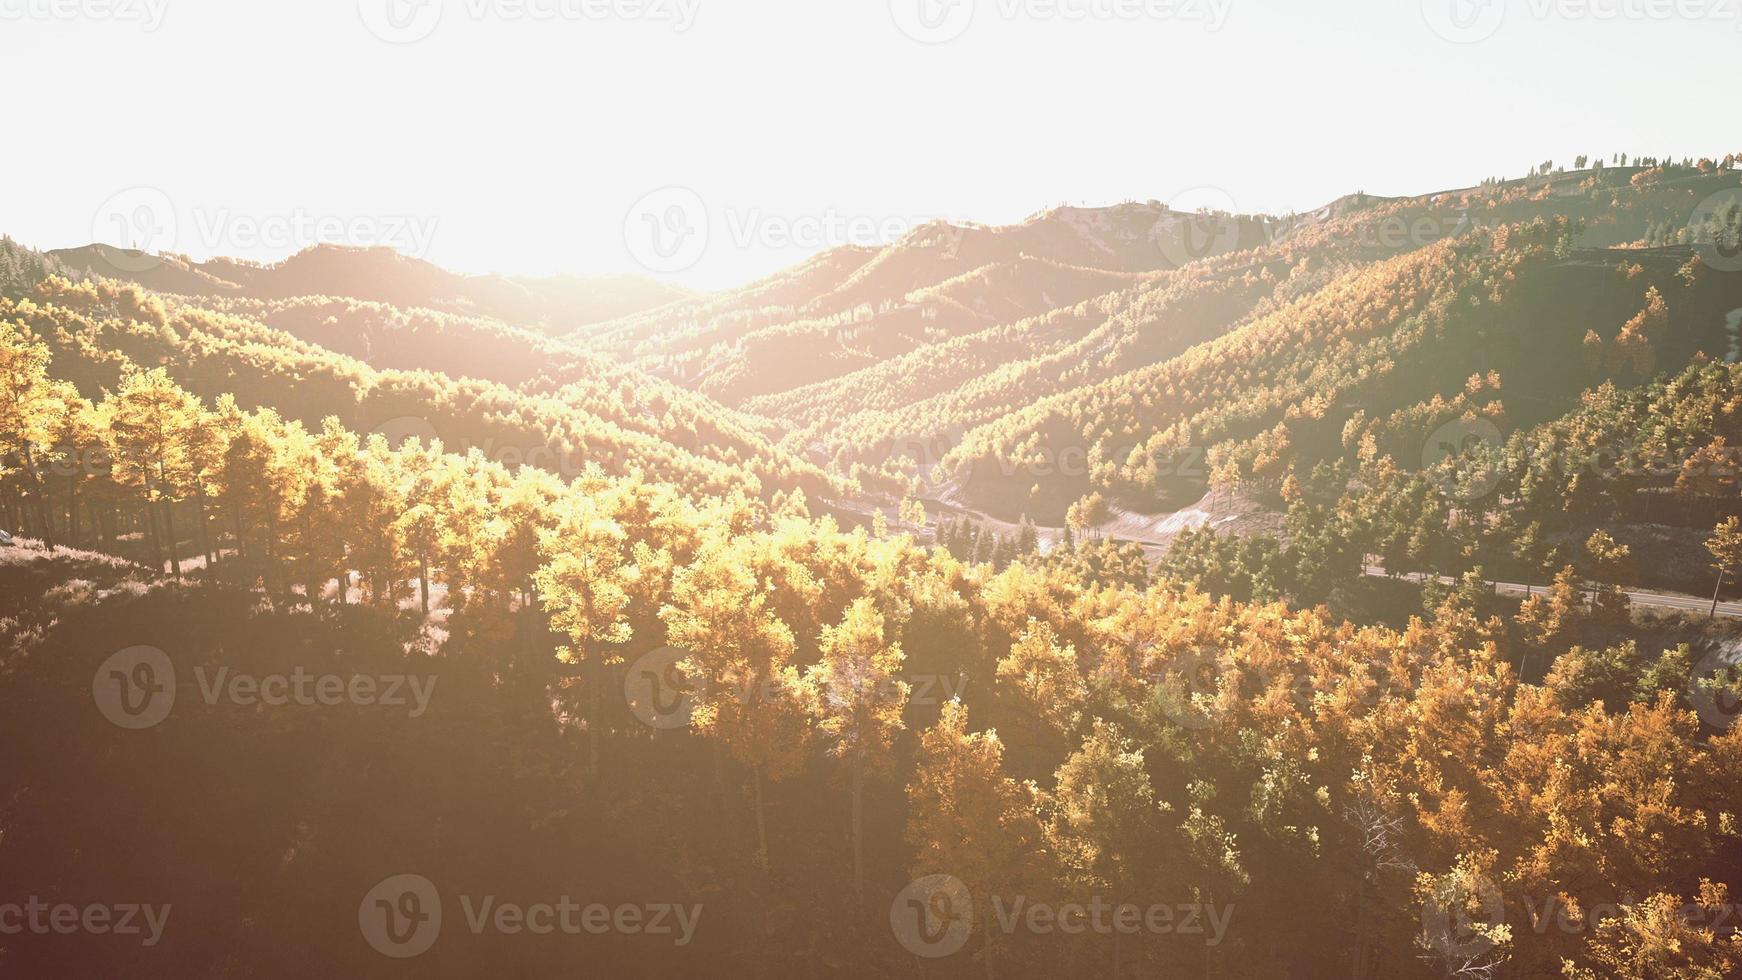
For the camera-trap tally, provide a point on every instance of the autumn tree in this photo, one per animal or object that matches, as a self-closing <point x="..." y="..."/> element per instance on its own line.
<point x="860" y="697"/>
<point x="585" y="584"/>
<point x="148" y="420"/>
<point x="968" y="819"/>
<point x="749" y="696"/>
<point x="1725" y="546"/>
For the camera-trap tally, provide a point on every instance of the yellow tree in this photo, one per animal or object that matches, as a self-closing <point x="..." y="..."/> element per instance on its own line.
<point x="147" y="421"/>
<point x="1547" y="619"/>
<point x="370" y="499"/>
<point x="969" y="820"/>
<point x="27" y="409"/>
<point x="1040" y="679"/>
<point x="860" y="699"/>
<point x="1104" y="817"/>
<point x="418" y="525"/>
<point x="76" y="436"/>
<point x="748" y="695"/>
<point x="1663" y="937"/>
<point x="585" y="584"/>
<point x="207" y="439"/>
<point x="1725" y="546"/>
<point x="1613" y="566"/>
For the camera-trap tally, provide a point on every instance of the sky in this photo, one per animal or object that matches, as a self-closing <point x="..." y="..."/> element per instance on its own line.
<point x="714" y="141"/>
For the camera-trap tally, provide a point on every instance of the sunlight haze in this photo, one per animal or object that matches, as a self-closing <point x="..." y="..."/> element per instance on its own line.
<point x="518" y="137"/>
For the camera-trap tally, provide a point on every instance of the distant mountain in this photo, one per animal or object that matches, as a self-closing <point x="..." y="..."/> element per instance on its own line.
<point x="853" y="307"/>
<point x="555" y="304"/>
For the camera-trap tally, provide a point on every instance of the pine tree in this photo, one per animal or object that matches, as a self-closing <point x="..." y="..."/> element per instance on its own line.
<point x="147" y="419"/>
<point x="1725" y="546"/>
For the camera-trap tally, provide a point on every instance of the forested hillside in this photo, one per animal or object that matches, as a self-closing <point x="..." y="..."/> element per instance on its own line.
<point x="1122" y="593"/>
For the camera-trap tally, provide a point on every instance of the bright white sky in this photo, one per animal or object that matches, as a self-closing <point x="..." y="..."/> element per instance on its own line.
<point x="504" y="142"/>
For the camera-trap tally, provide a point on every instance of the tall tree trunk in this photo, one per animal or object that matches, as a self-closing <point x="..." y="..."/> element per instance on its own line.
<point x="1715" y="591"/>
<point x="205" y="534"/>
<point x="859" y="834"/>
<point x="986" y="941"/>
<point x="73" y="515"/>
<point x="593" y="709"/>
<point x="169" y="534"/>
<point x="423" y="582"/>
<point x="761" y="821"/>
<point x="151" y="537"/>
